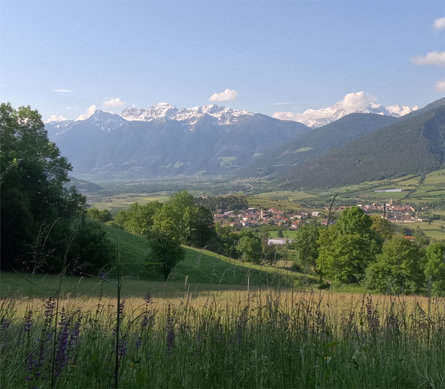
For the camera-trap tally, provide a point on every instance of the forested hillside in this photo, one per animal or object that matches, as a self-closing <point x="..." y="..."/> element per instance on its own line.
<point x="414" y="145"/>
<point x="281" y="162"/>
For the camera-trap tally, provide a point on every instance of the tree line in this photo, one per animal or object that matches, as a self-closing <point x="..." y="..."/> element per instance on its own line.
<point x="359" y="249"/>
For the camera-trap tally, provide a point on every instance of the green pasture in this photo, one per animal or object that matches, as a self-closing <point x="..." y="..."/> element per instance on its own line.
<point x="434" y="229"/>
<point x="120" y="201"/>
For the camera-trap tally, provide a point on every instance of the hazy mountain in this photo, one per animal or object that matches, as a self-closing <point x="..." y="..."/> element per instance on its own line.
<point x="414" y="144"/>
<point x="83" y="186"/>
<point x="285" y="158"/>
<point x="167" y="141"/>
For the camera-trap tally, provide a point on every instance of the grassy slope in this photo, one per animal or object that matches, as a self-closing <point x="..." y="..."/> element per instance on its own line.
<point x="200" y="266"/>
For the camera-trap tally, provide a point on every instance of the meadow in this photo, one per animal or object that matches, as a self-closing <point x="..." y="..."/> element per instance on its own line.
<point x="261" y="338"/>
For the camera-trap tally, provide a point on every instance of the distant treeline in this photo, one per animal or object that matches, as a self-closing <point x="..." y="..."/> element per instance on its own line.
<point x="225" y="203"/>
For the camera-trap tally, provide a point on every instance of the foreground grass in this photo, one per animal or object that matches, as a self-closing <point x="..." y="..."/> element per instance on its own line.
<point x="263" y="339"/>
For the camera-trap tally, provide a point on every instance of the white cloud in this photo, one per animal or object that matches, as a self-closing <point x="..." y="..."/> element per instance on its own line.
<point x="62" y="91"/>
<point x="116" y="102"/>
<point x="440" y="86"/>
<point x="352" y="102"/>
<point x="431" y="58"/>
<point x="439" y="24"/>
<point x="228" y="94"/>
<point x="55" y="118"/>
<point x="90" y="111"/>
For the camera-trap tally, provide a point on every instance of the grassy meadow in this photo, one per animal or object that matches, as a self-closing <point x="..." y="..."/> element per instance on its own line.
<point x="263" y="338"/>
<point x="216" y="323"/>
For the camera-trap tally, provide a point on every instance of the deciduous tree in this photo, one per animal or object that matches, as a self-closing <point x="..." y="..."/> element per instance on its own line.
<point x="399" y="268"/>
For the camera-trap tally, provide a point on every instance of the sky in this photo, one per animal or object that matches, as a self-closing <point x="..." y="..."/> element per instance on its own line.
<point x="62" y="57"/>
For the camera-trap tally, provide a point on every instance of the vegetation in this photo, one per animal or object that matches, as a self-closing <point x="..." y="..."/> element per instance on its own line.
<point x="227" y="203"/>
<point x="378" y="156"/>
<point x="43" y="225"/>
<point x="281" y="161"/>
<point x="399" y="269"/>
<point x="305" y="246"/>
<point x="348" y="247"/>
<point x="225" y="339"/>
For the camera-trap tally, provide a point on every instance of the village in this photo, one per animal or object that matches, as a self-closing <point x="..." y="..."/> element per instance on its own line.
<point x="253" y="217"/>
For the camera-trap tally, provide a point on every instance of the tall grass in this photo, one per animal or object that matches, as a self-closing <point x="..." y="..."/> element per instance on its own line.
<point x="259" y="339"/>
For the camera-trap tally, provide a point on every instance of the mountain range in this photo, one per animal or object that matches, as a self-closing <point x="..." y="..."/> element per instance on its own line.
<point x="165" y="141"/>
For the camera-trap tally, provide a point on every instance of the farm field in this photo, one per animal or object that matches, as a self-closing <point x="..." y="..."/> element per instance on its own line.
<point x="121" y="201"/>
<point x="434" y="229"/>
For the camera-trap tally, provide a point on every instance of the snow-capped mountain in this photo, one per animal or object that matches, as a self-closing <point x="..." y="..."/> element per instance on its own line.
<point x="359" y="102"/>
<point x="162" y="111"/>
<point x="163" y="140"/>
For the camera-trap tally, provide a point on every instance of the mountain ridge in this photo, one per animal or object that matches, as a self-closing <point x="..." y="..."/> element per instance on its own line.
<point x="107" y="146"/>
<point x="412" y="145"/>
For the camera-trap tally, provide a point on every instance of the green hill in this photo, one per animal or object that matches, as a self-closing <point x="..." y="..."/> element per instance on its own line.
<point x="200" y="266"/>
<point x="414" y="145"/>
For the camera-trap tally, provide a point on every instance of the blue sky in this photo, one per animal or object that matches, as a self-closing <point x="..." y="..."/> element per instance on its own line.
<point x="63" y="56"/>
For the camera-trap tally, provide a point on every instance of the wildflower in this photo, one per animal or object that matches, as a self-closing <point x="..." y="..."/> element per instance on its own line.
<point x="5" y="324"/>
<point x="242" y="324"/>
<point x="170" y="331"/>
<point x="62" y="345"/>
<point x="122" y="349"/>
<point x="27" y="322"/>
<point x="121" y="308"/>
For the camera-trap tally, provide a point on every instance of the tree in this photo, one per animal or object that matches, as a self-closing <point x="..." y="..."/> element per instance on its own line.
<point x="348" y="247"/>
<point x="91" y="249"/>
<point x="435" y="268"/>
<point x="250" y="248"/>
<point x="225" y="242"/>
<point x="399" y="268"/>
<point x="99" y="216"/>
<point x="139" y="219"/>
<point x="183" y="220"/>
<point x="40" y="218"/>
<point x="421" y="238"/>
<point x="382" y="226"/>
<point x="165" y="251"/>
<point x="199" y="227"/>
<point x="305" y="247"/>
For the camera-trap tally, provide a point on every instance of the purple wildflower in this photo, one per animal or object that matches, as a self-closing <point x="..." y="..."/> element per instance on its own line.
<point x="170" y="331"/>
<point x="62" y="345"/>
<point x="28" y="322"/>
<point x="242" y="324"/>
<point x="5" y="324"/>
<point x="121" y="308"/>
<point x="75" y="332"/>
<point x="122" y="347"/>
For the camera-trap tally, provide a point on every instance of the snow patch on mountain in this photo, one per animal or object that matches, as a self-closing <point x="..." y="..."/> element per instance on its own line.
<point x="163" y="111"/>
<point x="360" y="102"/>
